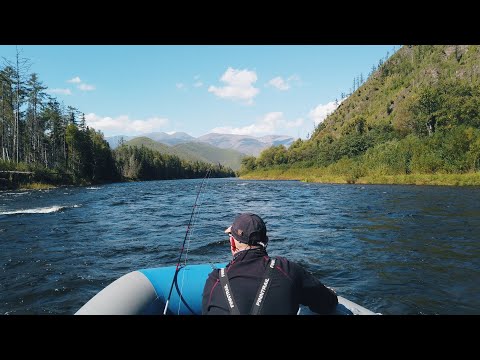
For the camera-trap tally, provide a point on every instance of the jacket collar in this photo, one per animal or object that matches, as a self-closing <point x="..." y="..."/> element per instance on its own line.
<point x="250" y="254"/>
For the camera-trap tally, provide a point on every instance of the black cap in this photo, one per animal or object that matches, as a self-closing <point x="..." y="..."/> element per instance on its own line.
<point x="249" y="229"/>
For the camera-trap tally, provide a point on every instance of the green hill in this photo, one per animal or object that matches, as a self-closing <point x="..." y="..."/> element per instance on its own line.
<point x="163" y="149"/>
<point x="193" y="151"/>
<point x="388" y="97"/>
<point x="227" y="157"/>
<point x="418" y="114"/>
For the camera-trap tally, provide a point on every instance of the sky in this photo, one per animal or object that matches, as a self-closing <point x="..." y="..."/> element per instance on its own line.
<point x="198" y="89"/>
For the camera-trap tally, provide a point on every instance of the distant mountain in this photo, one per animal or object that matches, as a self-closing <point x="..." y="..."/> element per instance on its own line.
<point x="164" y="138"/>
<point x="277" y="140"/>
<point x="194" y="151"/>
<point x="170" y="139"/>
<point x="249" y="145"/>
<point x="213" y="154"/>
<point x="154" y="145"/>
<point x="113" y="141"/>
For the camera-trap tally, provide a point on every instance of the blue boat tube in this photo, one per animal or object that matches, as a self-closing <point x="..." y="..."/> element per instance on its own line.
<point x="145" y="292"/>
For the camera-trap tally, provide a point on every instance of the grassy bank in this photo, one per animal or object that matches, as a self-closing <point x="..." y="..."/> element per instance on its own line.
<point x="321" y="176"/>
<point x="36" y="186"/>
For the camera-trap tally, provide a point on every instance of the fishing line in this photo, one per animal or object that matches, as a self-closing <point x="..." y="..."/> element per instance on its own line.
<point x="195" y="219"/>
<point x="189" y="226"/>
<point x="190" y="235"/>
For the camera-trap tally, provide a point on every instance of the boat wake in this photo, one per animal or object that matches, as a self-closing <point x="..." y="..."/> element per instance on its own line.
<point x="44" y="210"/>
<point x="17" y="193"/>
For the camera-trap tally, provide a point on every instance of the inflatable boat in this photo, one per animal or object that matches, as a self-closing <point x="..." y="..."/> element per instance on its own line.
<point x="145" y="292"/>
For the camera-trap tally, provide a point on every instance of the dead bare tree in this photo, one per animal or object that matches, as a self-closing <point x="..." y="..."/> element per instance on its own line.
<point x="21" y="66"/>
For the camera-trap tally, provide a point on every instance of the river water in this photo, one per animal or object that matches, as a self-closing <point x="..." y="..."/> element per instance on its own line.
<point x="393" y="249"/>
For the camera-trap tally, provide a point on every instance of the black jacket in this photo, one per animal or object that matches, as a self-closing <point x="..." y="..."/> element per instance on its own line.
<point x="290" y="286"/>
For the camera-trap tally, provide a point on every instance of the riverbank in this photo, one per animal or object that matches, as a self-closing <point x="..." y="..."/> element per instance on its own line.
<point x="319" y="175"/>
<point x="36" y="186"/>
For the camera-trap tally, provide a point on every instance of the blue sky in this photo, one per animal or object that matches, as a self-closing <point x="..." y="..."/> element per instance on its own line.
<point x="252" y="90"/>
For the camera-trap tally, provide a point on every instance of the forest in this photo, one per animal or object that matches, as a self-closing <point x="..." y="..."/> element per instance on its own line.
<point x="45" y="142"/>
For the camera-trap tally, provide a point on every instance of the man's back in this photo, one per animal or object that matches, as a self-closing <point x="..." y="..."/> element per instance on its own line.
<point x="290" y="286"/>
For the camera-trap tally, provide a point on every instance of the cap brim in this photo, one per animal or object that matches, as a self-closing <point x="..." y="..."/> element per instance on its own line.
<point x="228" y="230"/>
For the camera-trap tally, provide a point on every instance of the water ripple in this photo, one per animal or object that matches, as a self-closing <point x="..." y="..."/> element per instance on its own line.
<point x="393" y="249"/>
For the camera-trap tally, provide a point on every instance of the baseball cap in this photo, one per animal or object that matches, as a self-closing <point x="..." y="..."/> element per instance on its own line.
<point x="249" y="229"/>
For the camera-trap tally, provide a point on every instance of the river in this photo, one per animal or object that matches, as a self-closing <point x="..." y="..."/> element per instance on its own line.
<point x="393" y="249"/>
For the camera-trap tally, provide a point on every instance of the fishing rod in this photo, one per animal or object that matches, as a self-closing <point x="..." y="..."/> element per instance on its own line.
<point x="177" y="269"/>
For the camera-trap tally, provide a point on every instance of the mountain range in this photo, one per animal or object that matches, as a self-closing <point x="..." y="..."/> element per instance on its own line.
<point x="248" y="145"/>
<point x="226" y="149"/>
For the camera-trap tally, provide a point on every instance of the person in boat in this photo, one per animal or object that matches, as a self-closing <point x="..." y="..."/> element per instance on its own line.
<point x="254" y="283"/>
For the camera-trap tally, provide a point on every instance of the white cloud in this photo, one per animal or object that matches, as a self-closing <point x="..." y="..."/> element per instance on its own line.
<point x="75" y="80"/>
<point x="124" y="125"/>
<point x="197" y="82"/>
<point x="238" y="85"/>
<point x="283" y="85"/>
<point x="322" y="111"/>
<point x="279" y="83"/>
<point x="81" y="85"/>
<point x="293" y="78"/>
<point x="270" y="123"/>
<point x="180" y="85"/>
<point x="86" y="87"/>
<point x="60" y="91"/>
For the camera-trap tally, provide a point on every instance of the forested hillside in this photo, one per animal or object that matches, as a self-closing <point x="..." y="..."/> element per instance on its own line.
<point x="143" y="163"/>
<point x="418" y="112"/>
<point x="193" y="152"/>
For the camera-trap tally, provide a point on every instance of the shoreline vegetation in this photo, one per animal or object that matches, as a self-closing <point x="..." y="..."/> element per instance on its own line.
<point x="36" y="186"/>
<point x="320" y="176"/>
<point x="129" y="164"/>
<point x="316" y="176"/>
